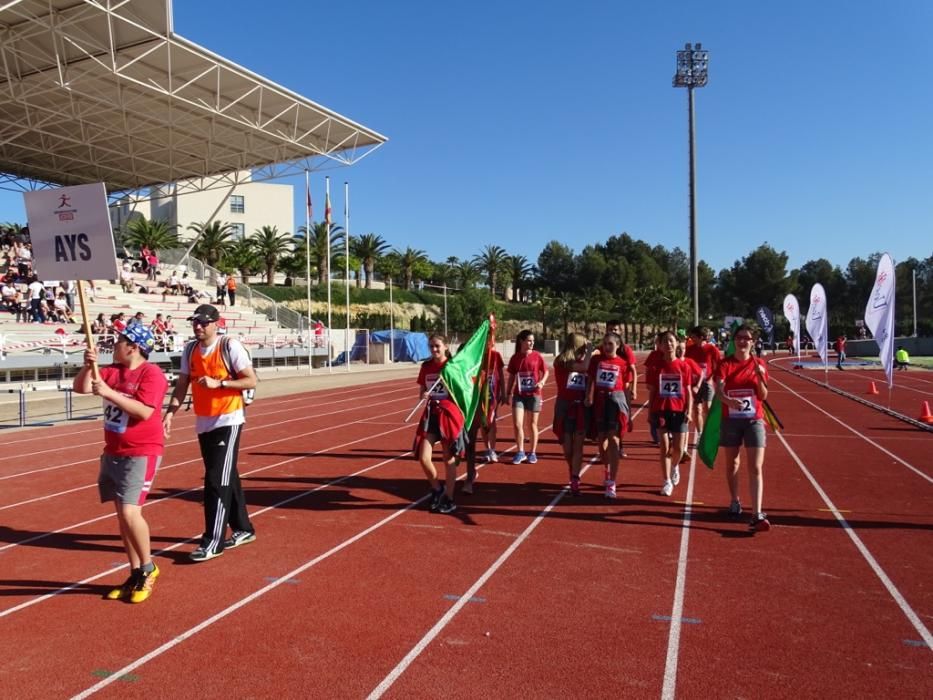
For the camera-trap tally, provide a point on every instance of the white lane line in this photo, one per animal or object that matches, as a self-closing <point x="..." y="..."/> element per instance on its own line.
<point x="854" y="431"/>
<point x="677" y="610"/>
<point x="857" y="541"/>
<point x="422" y="644"/>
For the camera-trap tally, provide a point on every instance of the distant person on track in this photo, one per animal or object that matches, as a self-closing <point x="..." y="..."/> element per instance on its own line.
<point x="440" y="422"/>
<point x="901" y="359"/>
<point x="527" y="375"/>
<point x="742" y="386"/>
<point x="217" y="374"/>
<point x="669" y="380"/>
<point x="653" y="361"/>
<point x="132" y="391"/>
<point x="571" y="416"/>
<point x="840" y="347"/>
<point x="608" y="378"/>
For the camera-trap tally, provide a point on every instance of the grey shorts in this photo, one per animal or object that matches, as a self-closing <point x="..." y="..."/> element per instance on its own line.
<point x="738" y="431"/>
<point x="127" y="479"/>
<point x="573" y="417"/>
<point x="530" y="403"/>
<point x="705" y="393"/>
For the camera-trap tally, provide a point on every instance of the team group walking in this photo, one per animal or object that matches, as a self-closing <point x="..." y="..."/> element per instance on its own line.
<point x="596" y="394"/>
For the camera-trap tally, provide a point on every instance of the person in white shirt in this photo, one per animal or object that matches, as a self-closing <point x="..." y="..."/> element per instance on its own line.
<point x="36" y="294"/>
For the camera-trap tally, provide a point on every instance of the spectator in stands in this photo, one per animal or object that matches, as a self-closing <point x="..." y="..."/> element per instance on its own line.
<point x="170" y="333"/>
<point x="7" y="293"/>
<point x="71" y="289"/>
<point x="36" y="293"/>
<point x="24" y="259"/>
<point x="153" y="266"/>
<point x="139" y="319"/>
<point x="60" y="309"/>
<point x="144" y="258"/>
<point x="158" y="331"/>
<point x="231" y="289"/>
<point x="126" y="279"/>
<point x="118" y="322"/>
<point x="175" y="285"/>
<point x="196" y="296"/>
<point x="222" y="288"/>
<point x="99" y="326"/>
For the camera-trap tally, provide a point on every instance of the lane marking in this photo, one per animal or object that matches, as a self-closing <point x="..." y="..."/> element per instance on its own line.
<point x="853" y="430"/>
<point x="857" y="541"/>
<point x="683" y="620"/>
<point x="422" y="644"/>
<point x="677" y="611"/>
<point x="474" y="599"/>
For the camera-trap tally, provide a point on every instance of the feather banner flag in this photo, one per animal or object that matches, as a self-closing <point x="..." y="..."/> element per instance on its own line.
<point x="879" y="314"/>
<point x="792" y="314"/>
<point x="818" y="321"/>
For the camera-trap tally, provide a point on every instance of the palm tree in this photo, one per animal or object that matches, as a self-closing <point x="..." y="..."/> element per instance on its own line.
<point x="369" y="248"/>
<point x="242" y="257"/>
<point x="213" y="240"/>
<point x="466" y="274"/>
<point x="270" y="245"/>
<point x="155" y="234"/>
<point x="319" y="241"/>
<point x="519" y="270"/>
<point x="408" y="260"/>
<point x="492" y="260"/>
<point x="677" y="305"/>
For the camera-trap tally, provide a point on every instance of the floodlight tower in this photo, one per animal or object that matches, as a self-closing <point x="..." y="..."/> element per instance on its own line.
<point x="692" y="65"/>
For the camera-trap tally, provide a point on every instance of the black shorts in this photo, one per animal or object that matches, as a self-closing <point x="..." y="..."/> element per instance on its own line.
<point x="705" y="392"/>
<point x="672" y="421"/>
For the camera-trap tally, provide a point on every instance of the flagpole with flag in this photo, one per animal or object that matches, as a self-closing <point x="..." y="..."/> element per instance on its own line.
<point x="462" y="375"/>
<point x="818" y="325"/>
<point x="879" y="316"/>
<point x="308" y="260"/>
<point x="346" y="257"/>
<point x="330" y="315"/>
<point x="792" y="314"/>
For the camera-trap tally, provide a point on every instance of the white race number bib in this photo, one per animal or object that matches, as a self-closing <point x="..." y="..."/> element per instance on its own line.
<point x="440" y="391"/>
<point x="607" y="376"/>
<point x="749" y="400"/>
<point x="576" y="381"/>
<point x="116" y="419"/>
<point x="526" y="382"/>
<point x="670" y="386"/>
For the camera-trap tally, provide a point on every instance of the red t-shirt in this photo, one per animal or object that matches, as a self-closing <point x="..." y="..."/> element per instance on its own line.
<point x="654" y="360"/>
<point x="669" y="381"/>
<point x="495" y="367"/>
<point x="528" y="371"/>
<point x="740" y="380"/>
<point x="707" y="356"/>
<point x="609" y="373"/>
<point x="125" y="436"/>
<point x="571" y="384"/>
<point x="696" y="373"/>
<point x="430" y="371"/>
<point x="118" y="325"/>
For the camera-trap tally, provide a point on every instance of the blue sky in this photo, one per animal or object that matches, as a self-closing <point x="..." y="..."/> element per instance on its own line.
<point x="518" y="122"/>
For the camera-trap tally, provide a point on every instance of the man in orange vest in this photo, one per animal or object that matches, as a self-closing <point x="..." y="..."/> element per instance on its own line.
<point x="218" y="371"/>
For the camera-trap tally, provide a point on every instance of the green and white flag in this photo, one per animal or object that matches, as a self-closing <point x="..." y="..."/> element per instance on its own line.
<point x="463" y="374"/>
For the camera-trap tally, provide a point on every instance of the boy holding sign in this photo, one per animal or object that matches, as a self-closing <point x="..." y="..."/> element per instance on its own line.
<point x="132" y="390"/>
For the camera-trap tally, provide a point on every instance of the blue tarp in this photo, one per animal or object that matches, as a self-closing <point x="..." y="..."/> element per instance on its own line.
<point x="407" y="346"/>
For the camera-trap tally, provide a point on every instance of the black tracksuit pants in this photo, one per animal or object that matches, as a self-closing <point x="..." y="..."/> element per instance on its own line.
<point x="224" y="502"/>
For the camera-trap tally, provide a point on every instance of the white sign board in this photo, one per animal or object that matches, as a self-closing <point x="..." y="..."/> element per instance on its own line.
<point x="70" y="232"/>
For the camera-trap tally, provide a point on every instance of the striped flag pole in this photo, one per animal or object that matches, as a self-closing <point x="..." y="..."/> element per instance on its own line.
<point x="330" y="314"/>
<point x="308" y="258"/>
<point x="346" y="258"/>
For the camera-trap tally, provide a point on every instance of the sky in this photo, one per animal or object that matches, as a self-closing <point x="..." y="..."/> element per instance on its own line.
<point x="516" y="123"/>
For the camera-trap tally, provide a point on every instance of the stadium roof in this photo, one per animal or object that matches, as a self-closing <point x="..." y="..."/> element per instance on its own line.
<point x="105" y="91"/>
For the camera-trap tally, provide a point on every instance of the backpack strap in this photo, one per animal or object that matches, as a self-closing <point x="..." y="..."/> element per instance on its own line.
<point x="226" y="355"/>
<point x="189" y="353"/>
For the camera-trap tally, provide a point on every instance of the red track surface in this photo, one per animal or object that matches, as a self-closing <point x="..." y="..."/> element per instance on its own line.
<point x="347" y="581"/>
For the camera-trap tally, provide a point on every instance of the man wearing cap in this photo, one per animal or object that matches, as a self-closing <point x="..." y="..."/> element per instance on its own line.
<point x="132" y="390"/>
<point x="218" y="407"/>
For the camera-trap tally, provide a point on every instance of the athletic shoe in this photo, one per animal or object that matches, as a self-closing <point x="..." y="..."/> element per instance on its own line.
<point x="144" y="584"/>
<point x="759" y="523"/>
<point x="667" y="488"/>
<point x="675" y="475"/>
<point x="519" y="458"/>
<point x="468" y="486"/>
<point x="622" y="453"/>
<point x="124" y="591"/>
<point x="203" y="554"/>
<point x="532" y="458"/>
<point x="607" y="476"/>
<point x="735" y="508"/>
<point x="239" y="537"/>
<point x="447" y="506"/>
<point x="435" y="499"/>
<point x="575" y="485"/>
<point x="491" y="456"/>
<point x="611" y="490"/>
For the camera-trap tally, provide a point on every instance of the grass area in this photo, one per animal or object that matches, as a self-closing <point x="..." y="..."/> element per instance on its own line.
<point x="915" y="361"/>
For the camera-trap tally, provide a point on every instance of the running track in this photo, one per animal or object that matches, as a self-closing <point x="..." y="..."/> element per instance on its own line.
<point x="353" y="591"/>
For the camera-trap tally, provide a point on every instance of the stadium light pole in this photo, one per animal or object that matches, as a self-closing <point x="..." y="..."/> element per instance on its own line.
<point x="692" y="65"/>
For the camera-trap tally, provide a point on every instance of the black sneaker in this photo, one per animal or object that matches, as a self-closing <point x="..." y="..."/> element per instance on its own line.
<point x="447" y="505"/>
<point x="239" y="537"/>
<point x="435" y="502"/>
<point x="203" y="554"/>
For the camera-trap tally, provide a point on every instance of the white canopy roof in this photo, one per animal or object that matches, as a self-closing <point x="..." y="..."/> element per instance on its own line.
<point x="105" y="91"/>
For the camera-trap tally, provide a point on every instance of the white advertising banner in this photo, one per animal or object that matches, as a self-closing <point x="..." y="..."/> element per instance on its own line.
<point x="792" y="314"/>
<point x="818" y="321"/>
<point x="879" y="314"/>
<point x="70" y="232"/>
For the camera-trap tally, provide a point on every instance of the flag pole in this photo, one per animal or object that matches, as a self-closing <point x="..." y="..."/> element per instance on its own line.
<point x="346" y="257"/>
<point x="391" y="324"/>
<point x="330" y="316"/>
<point x="308" y="261"/>
<point x="86" y="323"/>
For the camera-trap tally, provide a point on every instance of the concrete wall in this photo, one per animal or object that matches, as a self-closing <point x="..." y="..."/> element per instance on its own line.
<point x="868" y="348"/>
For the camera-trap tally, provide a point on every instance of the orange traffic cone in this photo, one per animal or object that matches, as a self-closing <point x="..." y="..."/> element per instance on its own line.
<point x="925" y="415"/>
<point x="872" y="389"/>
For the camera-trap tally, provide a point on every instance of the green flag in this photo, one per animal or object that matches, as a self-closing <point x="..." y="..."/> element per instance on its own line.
<point x="462" y="374"/>
<point x="708" y="445"/>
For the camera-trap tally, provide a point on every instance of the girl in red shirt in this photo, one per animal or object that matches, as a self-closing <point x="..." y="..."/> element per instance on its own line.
<point x="430" y="427"/>
<point x="708" y="357"/>
<point x="609" y="377"/>
<point x="495" y="388"/>
<point x="669" y="381"/>
<point x="527" y="374"/>
<point x="571" y="418"/>
<point x="742" y="385"/>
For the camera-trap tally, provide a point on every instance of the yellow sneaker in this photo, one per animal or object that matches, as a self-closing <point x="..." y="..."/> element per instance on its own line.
<point x="143" y="588"/>
<point x="124" y="591"/>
